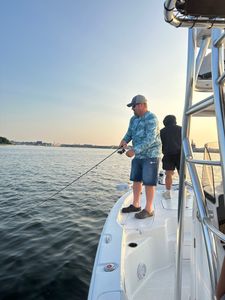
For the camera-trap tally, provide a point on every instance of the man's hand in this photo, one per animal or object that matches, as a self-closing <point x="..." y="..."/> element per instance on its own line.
<point x="130" y="153"/>
<point x="123" y="144"/>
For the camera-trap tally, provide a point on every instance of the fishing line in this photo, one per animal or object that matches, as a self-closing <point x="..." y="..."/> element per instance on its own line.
<point x="119" y="150"/>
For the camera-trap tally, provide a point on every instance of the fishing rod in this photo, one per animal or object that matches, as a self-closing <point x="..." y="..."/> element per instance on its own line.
<point x="119" y="150"/>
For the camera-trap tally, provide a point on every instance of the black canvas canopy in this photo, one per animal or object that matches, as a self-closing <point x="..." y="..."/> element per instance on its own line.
<point x="202" y="8"/>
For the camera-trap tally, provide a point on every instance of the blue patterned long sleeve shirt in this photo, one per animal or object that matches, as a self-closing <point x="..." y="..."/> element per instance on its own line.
<point x="144" y="133"/>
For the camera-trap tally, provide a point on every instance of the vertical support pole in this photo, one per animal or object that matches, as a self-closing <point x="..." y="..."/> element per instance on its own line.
<point x="185" y="134"/>
<point x="219" y="103"/>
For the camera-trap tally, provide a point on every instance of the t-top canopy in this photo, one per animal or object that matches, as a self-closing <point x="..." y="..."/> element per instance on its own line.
<point x="202" y="8"/>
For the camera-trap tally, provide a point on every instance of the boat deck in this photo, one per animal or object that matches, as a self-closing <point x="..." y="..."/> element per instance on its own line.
<point x="166" y="290"/>
<point x="151" y="248"/>
<point x="162" y="208"/>
<point x="142" y="252"/>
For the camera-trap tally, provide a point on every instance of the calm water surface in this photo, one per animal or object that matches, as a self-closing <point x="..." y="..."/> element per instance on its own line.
<point x="48" y="247"/>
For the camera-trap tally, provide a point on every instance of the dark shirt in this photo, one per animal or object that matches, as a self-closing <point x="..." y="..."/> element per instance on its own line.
<point x="171" y="139"/>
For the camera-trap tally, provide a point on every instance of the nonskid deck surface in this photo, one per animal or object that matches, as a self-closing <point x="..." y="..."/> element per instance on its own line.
<point x="163" y="209"/>
<point x="155" y="238"/>
<point x="165" y="279"/>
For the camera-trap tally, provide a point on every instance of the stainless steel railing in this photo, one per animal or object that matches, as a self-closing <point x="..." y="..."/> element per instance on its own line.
<point x="187" y="160"/>
<point x="213" y="229"/>
<point x="216" y="102"/>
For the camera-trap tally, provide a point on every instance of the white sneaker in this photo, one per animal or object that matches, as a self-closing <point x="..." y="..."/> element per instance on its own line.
<point x="167" y="195"/>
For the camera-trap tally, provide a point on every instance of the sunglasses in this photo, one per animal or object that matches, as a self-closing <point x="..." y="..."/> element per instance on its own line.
<point x="133" y="106"/>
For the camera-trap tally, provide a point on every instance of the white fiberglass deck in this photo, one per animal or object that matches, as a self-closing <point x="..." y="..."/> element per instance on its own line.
<point x="150" y="266"/>
<point x="143" y="252"/>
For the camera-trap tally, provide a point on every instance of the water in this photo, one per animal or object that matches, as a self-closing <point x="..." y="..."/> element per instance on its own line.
<point x="47" y="247"/>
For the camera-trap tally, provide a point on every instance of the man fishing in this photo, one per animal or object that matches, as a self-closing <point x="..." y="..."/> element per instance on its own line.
<point x="144" y="132"/>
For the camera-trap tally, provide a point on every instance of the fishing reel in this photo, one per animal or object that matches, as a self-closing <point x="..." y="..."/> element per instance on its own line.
<point x="121" y="151"/>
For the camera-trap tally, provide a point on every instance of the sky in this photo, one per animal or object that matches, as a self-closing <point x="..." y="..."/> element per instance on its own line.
<point x="69" y="67"/>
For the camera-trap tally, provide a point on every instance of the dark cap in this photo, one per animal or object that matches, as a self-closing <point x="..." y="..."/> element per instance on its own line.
<point x="136" y="100"/>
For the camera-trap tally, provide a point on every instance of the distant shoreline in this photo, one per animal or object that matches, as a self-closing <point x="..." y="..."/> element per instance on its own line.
<point x="198" y="150"/>
<point x="89" y="146"/>
<point x="5" y="141"/>
<point x="43" y="144"/>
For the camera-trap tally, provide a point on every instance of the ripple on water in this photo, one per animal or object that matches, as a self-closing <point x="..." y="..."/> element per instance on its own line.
<point x="48" y="246"/>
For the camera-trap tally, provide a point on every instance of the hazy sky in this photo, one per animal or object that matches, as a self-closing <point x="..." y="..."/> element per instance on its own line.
<point x="69" y="67"/>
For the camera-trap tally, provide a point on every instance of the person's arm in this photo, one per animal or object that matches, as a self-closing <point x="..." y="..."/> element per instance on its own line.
<point x="150" y="136"/>
<point x="220" y="290"/>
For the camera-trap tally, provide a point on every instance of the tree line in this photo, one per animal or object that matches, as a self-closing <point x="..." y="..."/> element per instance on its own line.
<point x="4" y="140"/>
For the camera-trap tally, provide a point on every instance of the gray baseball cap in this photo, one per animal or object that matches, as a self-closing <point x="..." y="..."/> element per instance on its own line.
<point x="136" y="100"/>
